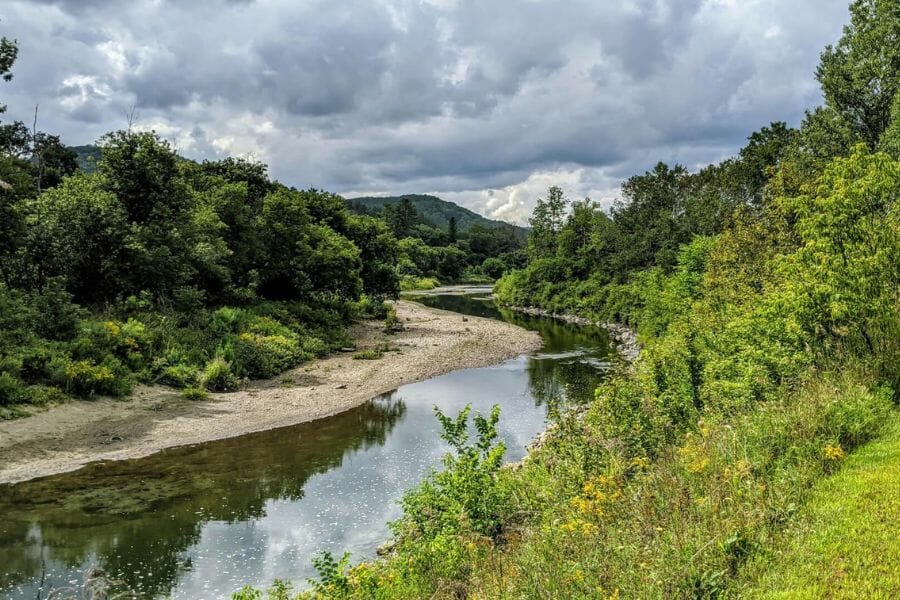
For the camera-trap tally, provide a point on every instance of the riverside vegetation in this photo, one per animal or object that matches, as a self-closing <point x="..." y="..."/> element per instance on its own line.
<point x="765" y="292"/>
<point x="140" y="266"/>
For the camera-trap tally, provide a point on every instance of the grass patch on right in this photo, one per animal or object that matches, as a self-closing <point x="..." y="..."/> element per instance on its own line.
<point x="844" y="542"/>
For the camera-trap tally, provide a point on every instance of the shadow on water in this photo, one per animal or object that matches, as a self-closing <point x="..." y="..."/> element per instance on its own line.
<point x="201" y="521"/>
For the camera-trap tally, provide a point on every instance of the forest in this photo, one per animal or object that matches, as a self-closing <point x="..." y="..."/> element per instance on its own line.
<point x="141" y="266"/>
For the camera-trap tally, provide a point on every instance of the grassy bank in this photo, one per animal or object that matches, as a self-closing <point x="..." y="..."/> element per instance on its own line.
<point x="843" y="542"/>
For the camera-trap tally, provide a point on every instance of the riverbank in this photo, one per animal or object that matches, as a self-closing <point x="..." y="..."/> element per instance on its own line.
<point x="432" y="342"/>
<point x="624" y="337"/>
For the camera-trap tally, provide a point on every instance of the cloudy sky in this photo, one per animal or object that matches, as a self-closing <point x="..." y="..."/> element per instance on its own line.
<point x="483" y="102"/>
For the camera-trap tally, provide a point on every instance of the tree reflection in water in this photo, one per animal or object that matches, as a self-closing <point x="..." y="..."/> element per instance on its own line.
<point x="135" y="518"/>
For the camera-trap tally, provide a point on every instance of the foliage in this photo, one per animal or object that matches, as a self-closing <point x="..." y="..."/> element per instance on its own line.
<point x="860" y="76"/>
<point x="218" y="376"/>
<point x="411" y="283"/>
<point x="194" y="394"/>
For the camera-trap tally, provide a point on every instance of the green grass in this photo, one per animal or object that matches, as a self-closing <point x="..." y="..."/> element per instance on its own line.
<point x="844" y="543"/>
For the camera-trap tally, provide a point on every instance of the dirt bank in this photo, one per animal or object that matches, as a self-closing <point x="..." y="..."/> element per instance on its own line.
<point x="433" y="342"/>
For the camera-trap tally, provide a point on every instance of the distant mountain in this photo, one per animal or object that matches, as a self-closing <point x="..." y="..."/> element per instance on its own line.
<point x="434" y="210"/>
<point x="88" y="157"/>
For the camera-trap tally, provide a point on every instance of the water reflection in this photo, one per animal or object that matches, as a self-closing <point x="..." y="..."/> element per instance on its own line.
<point x="137" y="516"/>
<point x="201" y="521"/>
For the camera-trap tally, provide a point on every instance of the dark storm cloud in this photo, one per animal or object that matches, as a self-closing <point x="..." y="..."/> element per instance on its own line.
<point x="485" y="102"/>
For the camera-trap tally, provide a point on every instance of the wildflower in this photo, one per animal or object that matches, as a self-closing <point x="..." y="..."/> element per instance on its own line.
<point x="833" y="452"/>
<point x="640" y="463"/>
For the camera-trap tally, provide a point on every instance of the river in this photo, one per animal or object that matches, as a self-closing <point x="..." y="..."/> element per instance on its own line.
<point x="201" y="521"/>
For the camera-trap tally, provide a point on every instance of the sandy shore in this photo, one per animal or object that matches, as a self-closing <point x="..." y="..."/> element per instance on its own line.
<point x="433" y="342"/>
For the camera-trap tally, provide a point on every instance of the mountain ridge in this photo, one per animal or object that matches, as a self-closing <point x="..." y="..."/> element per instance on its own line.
<point x="434" y="209"/>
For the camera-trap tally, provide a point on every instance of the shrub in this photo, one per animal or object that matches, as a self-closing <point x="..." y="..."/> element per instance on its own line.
<point x="260" y="356"/>
<point x="35" y="364"/>
<point x="194" y="394"/>
<point x="368" y="354"/>
<point x="371" y="308"/>
<point x="392" y="323"/>
<point x="57" y="317"/>
<point x="410" y="283"/>
<point x="465" y="495"/>
<point x="218" y="377"/>
<point x="313" y="345"/>
<point x="44" y="395"/>
<point x="12" y="390"/>
<point x="85" y="378"/>
<point x="179" y="375"/>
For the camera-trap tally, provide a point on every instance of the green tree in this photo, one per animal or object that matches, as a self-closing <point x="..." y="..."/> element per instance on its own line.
<point x="451" y="230"/>
<point x="9" y="50"/>
<point x="77" y="231"/>
<point x="546" y="222"/>
<point x="379" y="252"/>
<point x="861" y="74"/>
<point x="401" y="217"/>
<point x="761" y="156"/>
<point x="845" y="276"/>
<point x="51" y="160"/>
<point x="647" y="222"/>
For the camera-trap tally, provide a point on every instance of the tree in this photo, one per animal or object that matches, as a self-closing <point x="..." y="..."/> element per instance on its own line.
<point x="77" y="231"/>
<point x="142" y="171"/>
<point x="546" y="222"/>
<point x="300" y="258"/>
<point x="401" y="217"/>
<point x="761" y="155"/>
<point x="451" y="230"/>
<point x="861" y="75"/>
<point x="9" y="50"/>
<point x="378" y="252"/>
<point x="647" y="223"/>
<point x="843" y="279"/>
<point x="238" y="170"/>
<point x="52" y="160"/>
<point x="890" y="140"/>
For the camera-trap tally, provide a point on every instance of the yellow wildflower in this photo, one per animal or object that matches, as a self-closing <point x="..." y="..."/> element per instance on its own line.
<point x="833" y="452"/>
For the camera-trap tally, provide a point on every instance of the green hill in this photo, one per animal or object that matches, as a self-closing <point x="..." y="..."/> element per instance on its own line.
<point x="88" y="157"/>
<point x="434" y="210"/>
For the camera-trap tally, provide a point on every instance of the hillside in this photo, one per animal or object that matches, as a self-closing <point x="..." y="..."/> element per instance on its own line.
<point x="88" y="156"/>
<point x="433" y="209"/>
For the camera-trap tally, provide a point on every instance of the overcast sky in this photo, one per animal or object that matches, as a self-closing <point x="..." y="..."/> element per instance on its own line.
<point x="483" y="102"/>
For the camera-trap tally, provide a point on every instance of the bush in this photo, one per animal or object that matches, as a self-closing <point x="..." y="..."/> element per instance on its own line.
<point x="12" y="390"/>
<point x="261" y="356"/>
<point x="371" y="308"/>
<point x="464" y="496"/>
<point x="179" y="375"/>
<point x="218" y="377"/>
<point x="86" y="378"/>
<point x="194" y="394"/>
<point x="411" y="283"/>
<point x="392" y="322"/>
<point x="368" y="354"/>
<point x="57" y="316"/>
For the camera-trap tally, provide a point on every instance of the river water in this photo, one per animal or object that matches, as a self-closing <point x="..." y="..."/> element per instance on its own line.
<point x="204" y="520"/>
